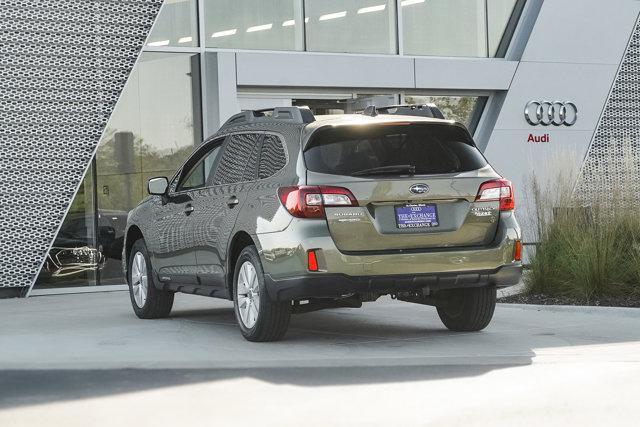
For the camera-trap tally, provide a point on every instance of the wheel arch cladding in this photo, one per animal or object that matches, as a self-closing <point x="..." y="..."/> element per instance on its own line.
<point x="240" y="240"/>
<point x="133" y="234"/>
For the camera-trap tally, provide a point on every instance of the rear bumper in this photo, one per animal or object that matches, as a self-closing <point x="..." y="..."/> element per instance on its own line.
<point x="284" y="260"/>
<point x="328" y="285"/>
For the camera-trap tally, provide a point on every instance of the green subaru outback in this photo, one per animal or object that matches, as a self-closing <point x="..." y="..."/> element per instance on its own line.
<point x="285" y="212"/>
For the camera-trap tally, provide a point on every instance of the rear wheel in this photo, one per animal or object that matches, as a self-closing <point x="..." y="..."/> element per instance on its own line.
<point x="465" y="310"/>
<point x="259" y="318"/>
<point x="148" y="301"/>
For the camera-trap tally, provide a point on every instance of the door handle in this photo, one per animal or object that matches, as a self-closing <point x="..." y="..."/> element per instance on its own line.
<point x="232" y="201"/>
<point x="188" y="209"/>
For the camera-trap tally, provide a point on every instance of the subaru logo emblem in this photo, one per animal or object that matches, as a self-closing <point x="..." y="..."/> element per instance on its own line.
<point x="419" y="188"/>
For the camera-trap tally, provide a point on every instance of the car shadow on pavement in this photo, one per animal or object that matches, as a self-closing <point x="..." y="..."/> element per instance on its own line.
<point x="33" y="387"/>
<point x="332" y="322"/>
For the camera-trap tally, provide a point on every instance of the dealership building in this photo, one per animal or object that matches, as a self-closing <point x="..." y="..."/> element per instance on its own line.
<point x="99" y="96"/>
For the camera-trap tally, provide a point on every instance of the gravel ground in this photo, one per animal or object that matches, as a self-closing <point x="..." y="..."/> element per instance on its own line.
<point x="542" y="299"/>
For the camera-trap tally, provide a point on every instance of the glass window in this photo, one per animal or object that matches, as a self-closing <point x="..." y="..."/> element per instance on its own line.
<point x="239" y="160"/>
<point x="272" y="156"/>
<point x="176" y="24"/>
<point x="74" y="257"/>
<point x="444" y="27"/>
<point x="430" y="149"/>
<point x="498" y="14"/>
<point x="254" y="24"/>
<point x="354" y="26"/>
<point x="152" y="131"/>
<point x="199" y="174"/>
<point x="458" y="108"/>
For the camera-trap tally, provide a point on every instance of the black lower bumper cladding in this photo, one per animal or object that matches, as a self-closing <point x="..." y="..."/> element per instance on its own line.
<point x="328" y="285"/>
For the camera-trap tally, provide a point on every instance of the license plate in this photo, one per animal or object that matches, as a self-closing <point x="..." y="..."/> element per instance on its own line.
<point x="418" y="215"/>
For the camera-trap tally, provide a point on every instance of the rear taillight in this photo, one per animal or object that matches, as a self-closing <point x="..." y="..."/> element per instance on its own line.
<point x="497" y="190"/>
<point x="310" y="201"/>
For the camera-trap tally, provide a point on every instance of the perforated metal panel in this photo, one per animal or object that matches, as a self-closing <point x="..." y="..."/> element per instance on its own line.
<point x="612" y="165"/>
<point x="63" y="64"/>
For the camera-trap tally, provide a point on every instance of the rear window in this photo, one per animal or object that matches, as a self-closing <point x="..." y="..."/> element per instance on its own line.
<point x="430" y="149"/>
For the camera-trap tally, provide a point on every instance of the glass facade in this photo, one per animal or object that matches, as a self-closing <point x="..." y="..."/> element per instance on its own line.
<point x="176" y="25"/>
<point x="154" y="127"/>
<point x="152" y="130"/>
<point x="346" y="26"/>
<point x="253" y="24"/>
<point x="471" y="28"/>
<point x="444" y="28"/>
<point x="74" y="257"/>
<point x="498" y="15"/>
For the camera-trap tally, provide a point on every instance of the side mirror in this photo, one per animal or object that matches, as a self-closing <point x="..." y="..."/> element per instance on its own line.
<point x="158" y="186"/>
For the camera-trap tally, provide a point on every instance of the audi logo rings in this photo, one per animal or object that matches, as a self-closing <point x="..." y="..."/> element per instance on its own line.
<point x="547" y="113"/>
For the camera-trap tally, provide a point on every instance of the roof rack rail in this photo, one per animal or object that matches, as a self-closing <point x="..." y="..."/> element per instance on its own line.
<point x="422" y="110"/>
<point x="284" y="114"/>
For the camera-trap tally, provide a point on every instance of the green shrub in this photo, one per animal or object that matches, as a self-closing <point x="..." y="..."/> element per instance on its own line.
<point x="584" y="251"/>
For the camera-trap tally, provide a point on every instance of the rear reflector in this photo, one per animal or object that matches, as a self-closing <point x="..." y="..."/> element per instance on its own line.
<point x="310" y="201"/>
<point x="517" y="251"/>
<point x="312" y="261"/>
<point x="497" y="190"/>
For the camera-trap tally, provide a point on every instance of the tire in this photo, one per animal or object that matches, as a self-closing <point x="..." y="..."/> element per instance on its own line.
<point x="156" y="303"/>
<point x="466" y="310"/>
<point x="259" y="318"/>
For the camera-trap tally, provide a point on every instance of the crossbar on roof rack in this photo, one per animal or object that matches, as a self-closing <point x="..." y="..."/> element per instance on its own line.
<point x="287" y="114"/>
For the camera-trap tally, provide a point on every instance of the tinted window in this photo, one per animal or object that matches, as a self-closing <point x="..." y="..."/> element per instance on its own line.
<point x="239" y="160"/>
<point x="431" y="148"/>
<point x="198" y="175"/>
<point x="272" y="156"/>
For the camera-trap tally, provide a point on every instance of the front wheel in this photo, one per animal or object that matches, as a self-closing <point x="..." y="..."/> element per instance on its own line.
<point x="466" y="310"/>
<point x="259" y="318"/>
<point x="148" y="301"/>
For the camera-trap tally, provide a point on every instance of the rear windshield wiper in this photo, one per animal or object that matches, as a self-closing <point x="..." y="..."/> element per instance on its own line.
<point x="387" y="170"/>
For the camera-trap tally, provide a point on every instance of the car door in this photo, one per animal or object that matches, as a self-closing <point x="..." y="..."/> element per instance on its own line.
<point x="175" y="258"/>
<point x="218" y="206"/>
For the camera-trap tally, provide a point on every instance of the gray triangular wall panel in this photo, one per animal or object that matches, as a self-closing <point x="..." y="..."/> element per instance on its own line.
<point x="612" y="163"/>
<point x="63" y="65"/>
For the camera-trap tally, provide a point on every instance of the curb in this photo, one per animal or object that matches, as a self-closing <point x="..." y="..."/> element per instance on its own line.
<point x="583" y="309"/>
<point x="511" y="290"/>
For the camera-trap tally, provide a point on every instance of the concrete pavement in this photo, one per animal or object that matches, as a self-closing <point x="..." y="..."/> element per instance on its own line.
<point x="87" y="360"/>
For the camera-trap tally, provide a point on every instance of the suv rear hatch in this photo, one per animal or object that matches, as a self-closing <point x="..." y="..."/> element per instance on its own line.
<point x="415" y="183"/>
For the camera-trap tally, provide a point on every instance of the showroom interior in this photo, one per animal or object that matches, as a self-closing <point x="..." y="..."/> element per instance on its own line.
<point x="180" y="91"/>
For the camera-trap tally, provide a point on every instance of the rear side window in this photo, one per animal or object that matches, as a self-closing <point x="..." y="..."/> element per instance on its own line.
<point x="272" y="156"/>
<point x="430" y="148"/>
<point x="239" y="160"/>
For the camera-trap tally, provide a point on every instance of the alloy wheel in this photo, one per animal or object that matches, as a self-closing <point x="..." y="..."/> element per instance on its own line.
<point x="139" y="282"/>
<point x="248" y="293"/>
